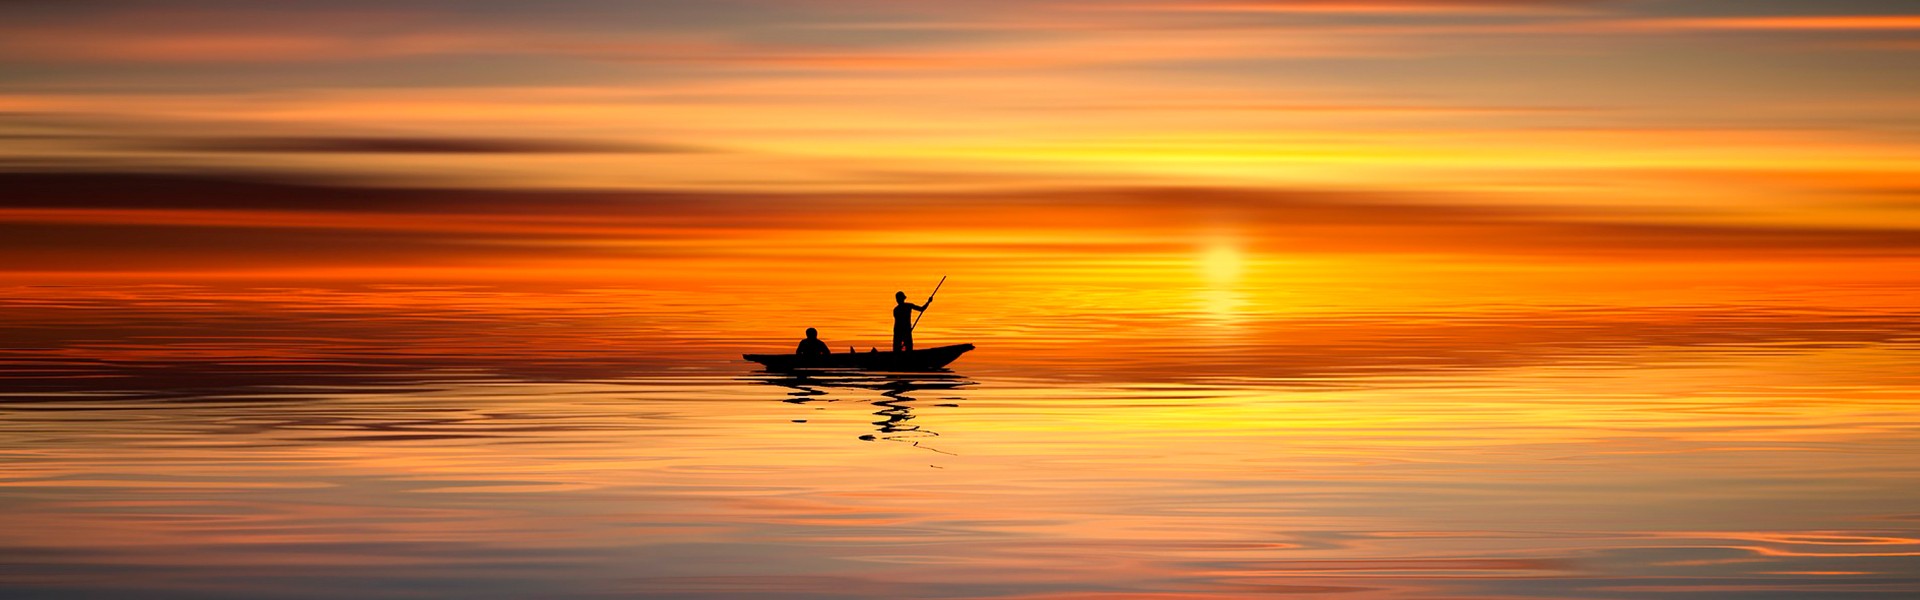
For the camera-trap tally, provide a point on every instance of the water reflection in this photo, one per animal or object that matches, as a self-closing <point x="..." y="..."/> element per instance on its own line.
<point x="897" y="395"/>
<point x="187" y="443"/>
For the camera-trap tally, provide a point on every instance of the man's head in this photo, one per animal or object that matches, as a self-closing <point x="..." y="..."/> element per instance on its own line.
<point x="899" y="296"/>
<point x="812" y="333"/>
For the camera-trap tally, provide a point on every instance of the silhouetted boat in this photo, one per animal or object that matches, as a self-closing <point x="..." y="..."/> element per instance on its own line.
<point x="912" y="360"/>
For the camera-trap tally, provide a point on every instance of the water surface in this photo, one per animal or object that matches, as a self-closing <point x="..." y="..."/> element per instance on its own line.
<point x="480" y="442"/>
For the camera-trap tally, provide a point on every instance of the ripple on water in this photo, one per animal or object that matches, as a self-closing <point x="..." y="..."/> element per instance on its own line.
<point x="324" y="443"/>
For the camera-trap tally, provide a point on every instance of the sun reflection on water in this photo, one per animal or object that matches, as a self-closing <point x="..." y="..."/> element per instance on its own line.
<point x="498" y="443"/>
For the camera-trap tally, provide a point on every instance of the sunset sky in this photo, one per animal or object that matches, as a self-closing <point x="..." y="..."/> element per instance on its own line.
<point x="405" y="138"/>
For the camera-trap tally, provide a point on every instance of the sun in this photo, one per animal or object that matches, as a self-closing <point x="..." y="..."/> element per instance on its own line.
<point x="1221" y="264"/>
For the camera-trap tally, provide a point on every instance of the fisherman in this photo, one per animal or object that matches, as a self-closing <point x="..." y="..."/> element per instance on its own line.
<point x="903" y="321"/>
<point x="812" y="346"/>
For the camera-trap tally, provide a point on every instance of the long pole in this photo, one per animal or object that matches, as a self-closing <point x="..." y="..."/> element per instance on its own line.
<point x="923" y="307"/>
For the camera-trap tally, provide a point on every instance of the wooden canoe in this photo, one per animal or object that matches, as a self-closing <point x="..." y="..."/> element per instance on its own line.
<point x="928" y="359"/>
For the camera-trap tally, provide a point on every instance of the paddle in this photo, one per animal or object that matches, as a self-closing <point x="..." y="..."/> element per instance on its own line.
<point x="923" y="307"/>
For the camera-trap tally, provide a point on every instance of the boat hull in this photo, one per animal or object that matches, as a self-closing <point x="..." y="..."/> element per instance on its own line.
<point x="928" y="359"/>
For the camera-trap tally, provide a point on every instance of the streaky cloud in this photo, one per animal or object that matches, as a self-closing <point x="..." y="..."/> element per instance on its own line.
<point x="408" y="145"/>
<point x="116" y="221"/>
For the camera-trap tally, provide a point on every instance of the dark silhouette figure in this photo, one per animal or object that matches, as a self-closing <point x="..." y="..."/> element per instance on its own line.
<point x="812" y="346"/>
<point x="903" y="321"/>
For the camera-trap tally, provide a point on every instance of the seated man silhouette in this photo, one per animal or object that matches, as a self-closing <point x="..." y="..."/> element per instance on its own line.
<point x="812" y="346"/>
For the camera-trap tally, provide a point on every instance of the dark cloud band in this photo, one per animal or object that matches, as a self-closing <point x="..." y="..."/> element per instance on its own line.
<point x="406" y="145"/>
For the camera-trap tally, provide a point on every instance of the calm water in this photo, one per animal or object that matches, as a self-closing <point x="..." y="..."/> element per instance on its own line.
<point x="385" y="441"/>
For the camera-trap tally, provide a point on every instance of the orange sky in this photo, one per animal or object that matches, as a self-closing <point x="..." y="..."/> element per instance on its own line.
<point x="417" y="136"/>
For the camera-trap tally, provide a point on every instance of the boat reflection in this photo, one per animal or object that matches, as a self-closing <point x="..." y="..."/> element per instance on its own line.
<point x="897" y="394"/>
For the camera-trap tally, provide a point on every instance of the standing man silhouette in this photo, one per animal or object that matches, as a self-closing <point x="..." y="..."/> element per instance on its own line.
<point x="903" y="321"/>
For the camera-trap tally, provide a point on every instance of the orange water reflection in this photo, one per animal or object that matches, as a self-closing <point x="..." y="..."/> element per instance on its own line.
<point x="183" y="441"/>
